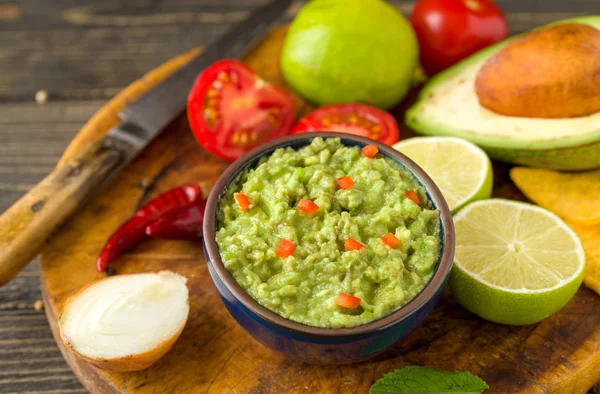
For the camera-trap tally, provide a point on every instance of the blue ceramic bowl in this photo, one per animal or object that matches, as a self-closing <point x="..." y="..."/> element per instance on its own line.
<point x="319" y="345"/>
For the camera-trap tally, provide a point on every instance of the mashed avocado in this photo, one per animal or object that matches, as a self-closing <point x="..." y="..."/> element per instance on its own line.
<point x="305" y="286"/>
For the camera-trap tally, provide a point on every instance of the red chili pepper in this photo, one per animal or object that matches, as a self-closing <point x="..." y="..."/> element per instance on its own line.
<point x="174" y="198"/>
<point x="184" y="223"/>
<point x="134" y="230"/>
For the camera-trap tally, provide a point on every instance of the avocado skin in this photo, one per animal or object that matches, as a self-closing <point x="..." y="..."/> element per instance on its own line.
<point x="567" y="154"/>
<point x="574" y="158"/>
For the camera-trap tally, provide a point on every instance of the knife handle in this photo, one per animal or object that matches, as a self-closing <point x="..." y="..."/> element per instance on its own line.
<point x="25" y="226"/>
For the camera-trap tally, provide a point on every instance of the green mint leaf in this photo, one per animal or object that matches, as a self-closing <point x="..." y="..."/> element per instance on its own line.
<point x="420" y="380"/>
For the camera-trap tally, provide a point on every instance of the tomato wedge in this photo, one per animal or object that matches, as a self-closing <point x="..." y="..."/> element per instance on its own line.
<point x="357" y="119"/>
<point x="231" y="110"/>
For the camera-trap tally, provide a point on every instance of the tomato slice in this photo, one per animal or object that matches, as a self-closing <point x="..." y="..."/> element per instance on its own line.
<point x="357" y="119"/>
<point x="231" y="110"/>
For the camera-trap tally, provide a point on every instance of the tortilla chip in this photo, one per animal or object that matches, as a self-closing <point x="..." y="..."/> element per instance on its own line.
<point x="574" y="196"/>
<point x="590" y="238"/>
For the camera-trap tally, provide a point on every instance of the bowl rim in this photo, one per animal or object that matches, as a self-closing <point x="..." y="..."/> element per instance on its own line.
<point x="436" y="282"/>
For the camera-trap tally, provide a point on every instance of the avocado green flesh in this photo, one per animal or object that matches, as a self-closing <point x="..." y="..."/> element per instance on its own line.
<point x="448" y="105"/>
<point x="304" y="287"/>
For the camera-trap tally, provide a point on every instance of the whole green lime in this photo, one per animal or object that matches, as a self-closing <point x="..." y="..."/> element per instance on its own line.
<point x="340" y="51"/>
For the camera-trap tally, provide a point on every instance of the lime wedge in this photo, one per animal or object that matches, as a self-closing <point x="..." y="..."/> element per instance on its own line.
<point x="460" y="169"/>
<point x="515" y="263"/>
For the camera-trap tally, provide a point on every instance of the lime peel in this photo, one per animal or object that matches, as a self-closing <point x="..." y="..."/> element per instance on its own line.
<point x="509" y="305"/>
<point x="466" y="160"/>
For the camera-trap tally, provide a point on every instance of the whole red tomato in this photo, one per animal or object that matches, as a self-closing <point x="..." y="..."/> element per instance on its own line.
<point x="450" y="30"/>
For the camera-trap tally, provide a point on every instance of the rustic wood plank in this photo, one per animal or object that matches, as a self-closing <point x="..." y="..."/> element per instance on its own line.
<point x="93" y="49"/>
<point x="32" y="139"/>
<point x="40" y="49"/>
<point x="29" y="358"/>
<point x="554" y="356"/>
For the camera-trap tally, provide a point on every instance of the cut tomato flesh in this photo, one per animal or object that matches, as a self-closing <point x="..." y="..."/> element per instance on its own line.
<point x="231" y="110"/>
<point x="358" y="119"/>
<point x="348" y="301"/>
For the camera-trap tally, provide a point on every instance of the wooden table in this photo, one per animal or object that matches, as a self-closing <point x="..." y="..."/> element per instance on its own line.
<point x="82" y="53"/>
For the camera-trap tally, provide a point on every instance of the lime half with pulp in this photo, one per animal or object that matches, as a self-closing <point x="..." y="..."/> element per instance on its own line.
<point x="515" y="263"/>
<point x="460" y="169"/>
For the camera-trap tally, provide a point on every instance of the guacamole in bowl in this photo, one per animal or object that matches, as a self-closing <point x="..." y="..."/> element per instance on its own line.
<point x="325" y="236"/>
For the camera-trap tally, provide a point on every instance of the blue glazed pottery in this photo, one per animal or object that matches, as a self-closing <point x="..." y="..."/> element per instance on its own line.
<point x="319" y="345"/>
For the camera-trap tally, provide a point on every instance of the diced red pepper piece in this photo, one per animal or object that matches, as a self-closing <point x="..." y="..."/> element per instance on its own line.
<point x="390" y="240"/>
<point x="370" y="150"/>
<point x="411" y="194"/>
<point x="285" y="248"/>
<point x="308" y="206"/>
<point x="348" y="301"/>
<point x="242" y="200"/>
<point x="345" y="182"/>
<point x="352" y="244"/>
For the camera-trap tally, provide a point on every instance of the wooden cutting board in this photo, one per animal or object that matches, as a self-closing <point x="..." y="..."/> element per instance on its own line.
<point x="215" y="355"/>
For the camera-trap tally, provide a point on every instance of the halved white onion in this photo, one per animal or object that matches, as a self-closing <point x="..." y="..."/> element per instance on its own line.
<point x="126" y="322"/>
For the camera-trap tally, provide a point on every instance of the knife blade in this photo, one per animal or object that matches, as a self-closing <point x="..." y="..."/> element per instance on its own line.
<point x="25" y="226"/>
<point x="146" y="117"/>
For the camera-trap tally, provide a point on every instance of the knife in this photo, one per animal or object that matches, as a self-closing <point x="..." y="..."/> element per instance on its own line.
<point x="26" y="225"/>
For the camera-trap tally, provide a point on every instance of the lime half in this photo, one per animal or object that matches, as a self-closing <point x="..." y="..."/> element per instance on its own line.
<point x="460" y="169"/>
<point x="515" y="263"/>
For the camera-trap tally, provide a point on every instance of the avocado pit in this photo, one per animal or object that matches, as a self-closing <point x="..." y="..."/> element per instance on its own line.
<point x="550" y="73"/>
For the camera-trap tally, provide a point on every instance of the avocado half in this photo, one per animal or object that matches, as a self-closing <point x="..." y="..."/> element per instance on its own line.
<point x="448" y="106"/>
